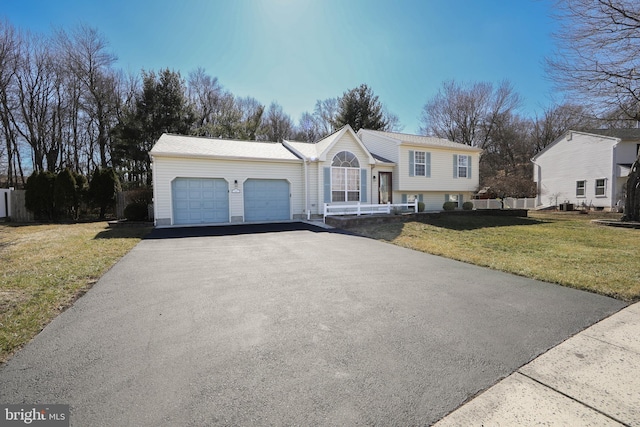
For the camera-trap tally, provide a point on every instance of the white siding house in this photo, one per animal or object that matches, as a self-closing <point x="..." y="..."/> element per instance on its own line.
<point x="589" y="168"/>
<point x="200" y="181"/>
<point x="434" y="170"/>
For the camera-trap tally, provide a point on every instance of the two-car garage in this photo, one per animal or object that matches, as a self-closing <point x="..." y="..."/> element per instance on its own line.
<point x="206" y="200"/>
<point x="200" y="181"/>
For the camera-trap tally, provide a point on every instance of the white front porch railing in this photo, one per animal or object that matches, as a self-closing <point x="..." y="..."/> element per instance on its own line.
<point x="366" y="209"/>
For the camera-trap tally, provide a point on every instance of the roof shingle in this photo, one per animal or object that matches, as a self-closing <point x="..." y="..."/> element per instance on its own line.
<point x="430" y="141"/>
<point x="191" y="146"/>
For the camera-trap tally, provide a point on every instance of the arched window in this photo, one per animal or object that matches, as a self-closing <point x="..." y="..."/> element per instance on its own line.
<point x="345" y="178"/>
<point x="345" y="159"/>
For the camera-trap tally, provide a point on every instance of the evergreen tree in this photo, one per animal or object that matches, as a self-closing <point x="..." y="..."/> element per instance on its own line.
<point x="39" y="194"/>
<point x="161" y="107"/>
<point x="360" y="108"/>
<point x="103" y="189"/>
<point x="64" y="194"/>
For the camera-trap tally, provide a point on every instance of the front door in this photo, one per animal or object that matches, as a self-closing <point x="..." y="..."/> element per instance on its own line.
<point x="384" y="188"/>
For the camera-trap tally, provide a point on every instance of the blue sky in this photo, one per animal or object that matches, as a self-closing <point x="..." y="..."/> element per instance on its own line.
<point x="295" y="52"/>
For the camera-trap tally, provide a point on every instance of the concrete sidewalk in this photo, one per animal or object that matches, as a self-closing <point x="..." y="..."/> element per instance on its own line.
<point x="591" y="379"/>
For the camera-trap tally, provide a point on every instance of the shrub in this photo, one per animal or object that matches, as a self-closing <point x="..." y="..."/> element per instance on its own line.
<point x="420" y="206"/>
<point x="65" y="195"/>
<point x="103" y="188"/>
<point x="82" y="193"/>
<point x="467" y="206"/>
<point x="136" y="211"/>
<point x="39" y="195"/>
<point x="449" y="206"/>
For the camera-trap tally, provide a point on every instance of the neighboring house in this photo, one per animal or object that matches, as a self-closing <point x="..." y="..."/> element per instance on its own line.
<point x="203" y="180"/>
<point x="586" y="167"/>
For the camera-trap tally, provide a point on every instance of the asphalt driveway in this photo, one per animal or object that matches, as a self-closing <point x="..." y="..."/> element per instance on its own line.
<point x="288" y="325"/>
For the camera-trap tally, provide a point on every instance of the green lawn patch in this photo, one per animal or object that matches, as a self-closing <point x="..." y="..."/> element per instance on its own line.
<point x="45" y="268"/>
<point x="567" y="249"/>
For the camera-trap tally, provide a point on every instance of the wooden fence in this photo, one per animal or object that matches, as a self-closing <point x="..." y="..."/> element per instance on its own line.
<point x="13" y="202"/>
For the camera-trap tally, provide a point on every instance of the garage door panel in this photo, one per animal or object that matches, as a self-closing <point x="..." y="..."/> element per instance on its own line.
<point x="266" y="200"/>
<point x="200" y="200"/>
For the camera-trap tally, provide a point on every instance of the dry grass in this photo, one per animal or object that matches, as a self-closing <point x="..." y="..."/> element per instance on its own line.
<point x="560" y="248"/>
<point x="44" y="268"/>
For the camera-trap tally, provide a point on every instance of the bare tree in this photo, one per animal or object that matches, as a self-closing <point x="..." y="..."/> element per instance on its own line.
<point x="36" y="80"/>
<point x="204" y="93"/>
<point x="308" y="129"/>
<point x="251" y="113"/>
<point x="598" y="54"/>
<point x="468" y="113"/>
<point x="598" y="60"/>
<point x="9" y="50"/>
<point x="325" y="113"/>
<point x="556" y="120"/>
<point x="393" y="121"/>
<point x="276" y="124"/>
<point x="86" y="55"/>
<point x="506" y="158"/>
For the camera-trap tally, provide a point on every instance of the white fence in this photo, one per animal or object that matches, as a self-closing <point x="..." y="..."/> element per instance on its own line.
<point x="5" y="202"/>
<point x="360" y="209"/>
<point x="506" y="203"/>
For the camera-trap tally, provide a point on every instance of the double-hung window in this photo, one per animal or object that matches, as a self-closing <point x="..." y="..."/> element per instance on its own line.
<point x="580" y="188"/>
<point x="463" y="166"/>
<point x="345" y="178"/>
<point x="601" y="187"/>
<point x="420" y="163"/>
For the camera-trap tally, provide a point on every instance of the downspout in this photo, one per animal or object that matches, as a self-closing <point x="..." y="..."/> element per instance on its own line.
<point x="155" y="198"/>
<point x="372" y="184"/>
<point x="536" y="173"/>
<point x="613" y="202"/>
<point x="306" y="188"/>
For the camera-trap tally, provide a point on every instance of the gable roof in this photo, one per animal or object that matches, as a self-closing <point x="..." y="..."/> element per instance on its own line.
<point x="381" y="160"/>
<point x="624" y="134"/>
<point x="170" y="145"/>
<point x="617" y="135"/>
<point x="318" y="150"/>
<point x="427" y="141"/>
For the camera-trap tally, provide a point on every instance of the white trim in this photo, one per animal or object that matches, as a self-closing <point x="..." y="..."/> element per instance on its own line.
<point x="364" y="209"/>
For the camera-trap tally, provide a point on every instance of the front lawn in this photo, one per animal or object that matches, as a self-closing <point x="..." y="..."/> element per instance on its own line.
<point x="567" y="249"/>
<point x="44" y="268"/>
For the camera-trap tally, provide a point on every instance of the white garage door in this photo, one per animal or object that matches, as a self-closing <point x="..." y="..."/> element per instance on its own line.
<point x="266" y="200"/>
<point x="200" y="200"/>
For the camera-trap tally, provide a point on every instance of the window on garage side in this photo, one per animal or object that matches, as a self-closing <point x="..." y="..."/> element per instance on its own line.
<point x="345" y="177"/>
<point x="580" y="188"/>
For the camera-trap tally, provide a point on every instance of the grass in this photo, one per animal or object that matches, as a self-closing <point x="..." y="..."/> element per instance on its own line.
<point x="45" y="268"/>
<point x="560" y="248"/>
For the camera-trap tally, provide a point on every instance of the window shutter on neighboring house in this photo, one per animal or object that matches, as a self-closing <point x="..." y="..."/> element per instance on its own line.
<point x="420" y="198"/>
<point x="363" y="185"/>
<point x="469" y="167"/>
<point x="404" y="198"/>
<point x="411" y="163"/>
<point x="460" y="201"/>
<point x="428" y="167"/>
<point x="327" y="185"/>
<point x="446" y="198"/>
<point x="455" y="165"/>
